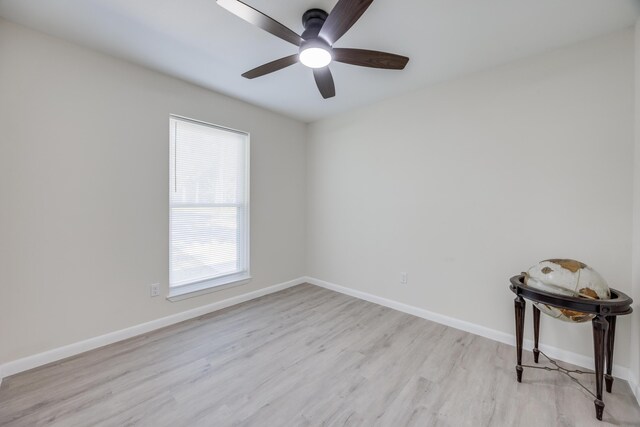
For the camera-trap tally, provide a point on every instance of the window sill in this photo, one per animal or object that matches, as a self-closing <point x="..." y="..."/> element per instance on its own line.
<point x="206" y="287"/>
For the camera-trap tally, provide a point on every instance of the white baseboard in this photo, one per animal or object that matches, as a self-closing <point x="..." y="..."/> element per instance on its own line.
<point x="635" y="387"/>
<point x="556" y="353"/>
<point x="30" y="362"/>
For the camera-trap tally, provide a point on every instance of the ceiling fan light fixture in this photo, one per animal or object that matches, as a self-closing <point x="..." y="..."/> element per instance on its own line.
<point x="315" y="57"/>
<point x="315" y="53"/>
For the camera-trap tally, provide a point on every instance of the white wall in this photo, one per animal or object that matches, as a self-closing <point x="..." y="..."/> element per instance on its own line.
<point x="467" y="183"/>
<point x="84" y="191"/>
<point x="635" y="332"/>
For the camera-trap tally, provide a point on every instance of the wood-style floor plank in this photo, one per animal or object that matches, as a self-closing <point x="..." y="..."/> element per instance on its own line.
<point x="305" y="356"/>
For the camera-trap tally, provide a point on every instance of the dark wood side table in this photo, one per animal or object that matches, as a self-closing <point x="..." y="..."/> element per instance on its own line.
<point x="604" y="327"/>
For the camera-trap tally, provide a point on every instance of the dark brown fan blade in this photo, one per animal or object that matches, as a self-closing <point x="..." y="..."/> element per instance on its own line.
<point x="370" y="58"/>
<point x="324" y="80"/>
<point x="341" y="18"/>
<point x="259" y="19"/>
<point x="272" y="66"/>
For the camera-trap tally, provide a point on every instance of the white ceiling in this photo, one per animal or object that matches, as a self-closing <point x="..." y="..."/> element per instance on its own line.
<point x="198" y="41"/>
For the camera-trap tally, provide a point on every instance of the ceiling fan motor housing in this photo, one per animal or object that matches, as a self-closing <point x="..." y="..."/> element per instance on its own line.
<point x="312" y="20"/>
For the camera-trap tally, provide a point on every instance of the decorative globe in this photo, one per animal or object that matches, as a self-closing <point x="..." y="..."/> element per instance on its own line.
<point x="567" y="277"/>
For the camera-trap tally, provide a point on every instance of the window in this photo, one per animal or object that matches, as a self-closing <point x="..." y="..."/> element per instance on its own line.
<point x="209" y="206"/>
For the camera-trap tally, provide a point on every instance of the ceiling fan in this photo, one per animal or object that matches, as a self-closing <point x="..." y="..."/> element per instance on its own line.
<point x="316" y="51"/>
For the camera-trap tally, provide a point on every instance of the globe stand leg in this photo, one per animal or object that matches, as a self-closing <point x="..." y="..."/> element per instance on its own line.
<point x="600" y="326"/>
<point x="536" y="333"/>
<point x="520" y="306"/>
<point x="599" y="404"/>
<point x="608" y="382"/>
<point x="611" y="336"/>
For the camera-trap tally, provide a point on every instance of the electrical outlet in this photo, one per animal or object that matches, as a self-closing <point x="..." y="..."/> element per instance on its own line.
<point x="404" y="278"/>
<point x="155" y="289"/>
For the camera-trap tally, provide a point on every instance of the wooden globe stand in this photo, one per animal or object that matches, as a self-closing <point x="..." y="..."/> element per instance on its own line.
<point x="604" y="329"/>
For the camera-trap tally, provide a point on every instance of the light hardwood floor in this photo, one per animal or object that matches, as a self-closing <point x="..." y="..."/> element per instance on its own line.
<point x="305" y="356"/>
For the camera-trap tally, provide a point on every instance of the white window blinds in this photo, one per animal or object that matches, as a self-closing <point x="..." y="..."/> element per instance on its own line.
<point x="208" y="203"/>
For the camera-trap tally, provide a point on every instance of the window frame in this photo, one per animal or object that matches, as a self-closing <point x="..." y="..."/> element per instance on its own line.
<point x="216" y="283"/>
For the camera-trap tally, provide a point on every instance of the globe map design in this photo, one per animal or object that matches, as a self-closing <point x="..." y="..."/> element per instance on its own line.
<point x="567" y="277"/>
